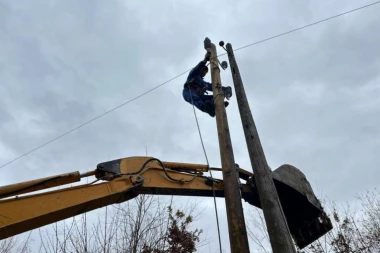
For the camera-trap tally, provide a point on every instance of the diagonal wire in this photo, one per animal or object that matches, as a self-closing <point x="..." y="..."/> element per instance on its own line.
<point x="303" y="27"/>
<point x="93" y="119"/>
<point x="154" y="88"/>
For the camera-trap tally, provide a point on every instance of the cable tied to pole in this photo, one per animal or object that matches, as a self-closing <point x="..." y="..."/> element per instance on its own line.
<point x="208" y="166"/>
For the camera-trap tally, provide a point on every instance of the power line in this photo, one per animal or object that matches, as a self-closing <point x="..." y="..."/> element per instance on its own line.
<point x="156" y="87"/>
<point x="302" y="27"/>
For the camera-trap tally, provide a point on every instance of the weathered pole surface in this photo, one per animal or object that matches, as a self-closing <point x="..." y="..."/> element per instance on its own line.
<point x="236" y="224"/>
<point x="279" y="234"/>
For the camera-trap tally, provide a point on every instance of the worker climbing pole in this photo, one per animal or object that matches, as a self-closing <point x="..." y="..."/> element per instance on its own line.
<point x="195" y="90"/>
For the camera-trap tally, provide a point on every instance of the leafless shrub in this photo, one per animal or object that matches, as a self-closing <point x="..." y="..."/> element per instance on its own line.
<point x="354" y="231"/>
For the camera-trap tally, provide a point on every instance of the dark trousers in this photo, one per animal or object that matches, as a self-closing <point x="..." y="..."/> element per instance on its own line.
<point x="199" y="100"/>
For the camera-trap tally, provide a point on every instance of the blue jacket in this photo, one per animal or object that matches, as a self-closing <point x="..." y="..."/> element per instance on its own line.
<point x="195" y="78"/>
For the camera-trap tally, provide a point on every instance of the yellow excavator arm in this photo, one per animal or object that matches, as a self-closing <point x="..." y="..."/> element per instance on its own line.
<point x="123" y="179"/>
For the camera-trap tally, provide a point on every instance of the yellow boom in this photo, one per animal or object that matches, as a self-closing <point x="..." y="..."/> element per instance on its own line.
<point x="123" y="179"/>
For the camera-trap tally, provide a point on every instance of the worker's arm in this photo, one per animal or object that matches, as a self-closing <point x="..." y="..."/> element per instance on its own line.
<point x="195" y="71"/>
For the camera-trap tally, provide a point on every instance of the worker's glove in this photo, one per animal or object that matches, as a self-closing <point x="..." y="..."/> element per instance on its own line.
<point x="227" y="92"/>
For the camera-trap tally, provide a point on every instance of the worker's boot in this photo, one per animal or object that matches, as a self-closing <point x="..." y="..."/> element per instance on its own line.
<point x="211" y="110"/>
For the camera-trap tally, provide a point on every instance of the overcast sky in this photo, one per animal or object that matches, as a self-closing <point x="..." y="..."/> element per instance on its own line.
<point x="314" y="94"/>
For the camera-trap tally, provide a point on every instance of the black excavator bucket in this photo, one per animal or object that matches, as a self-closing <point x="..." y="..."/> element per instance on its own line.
<point x="305" y="216"/>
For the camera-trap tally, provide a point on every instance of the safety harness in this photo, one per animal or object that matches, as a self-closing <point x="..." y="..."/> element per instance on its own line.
<point x="192" y="85"/>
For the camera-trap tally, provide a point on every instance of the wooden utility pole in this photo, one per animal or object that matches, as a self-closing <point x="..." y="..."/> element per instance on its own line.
<point x="279" y="234"/>
<point x="236" y="224"/>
